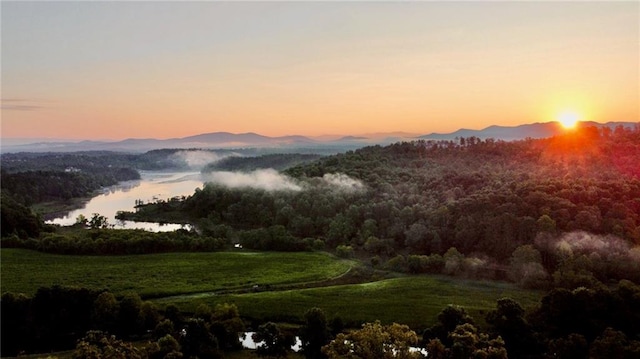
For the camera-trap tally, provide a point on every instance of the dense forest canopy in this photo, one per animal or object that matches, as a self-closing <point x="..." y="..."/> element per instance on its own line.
<point x="553" y="208"/>
<point x="561" y="213"/>
<point x="578" y="192"/>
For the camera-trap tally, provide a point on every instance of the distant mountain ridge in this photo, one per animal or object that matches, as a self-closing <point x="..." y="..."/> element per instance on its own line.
<point x="253" y="140"/>
<point x="512" y="133"/>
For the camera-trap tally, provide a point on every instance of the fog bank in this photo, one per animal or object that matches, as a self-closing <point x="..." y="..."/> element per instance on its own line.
<point x="580" y="242"/>
<point x="266" y="179"/>
<point x="342" y="181"/>
<point x="197" y="159"/>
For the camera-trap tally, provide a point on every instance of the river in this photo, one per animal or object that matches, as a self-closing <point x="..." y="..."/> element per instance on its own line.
<point x="152" y="186"/>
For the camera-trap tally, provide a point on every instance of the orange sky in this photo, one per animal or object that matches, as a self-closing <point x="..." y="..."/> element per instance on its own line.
<point x="114" y="70"/>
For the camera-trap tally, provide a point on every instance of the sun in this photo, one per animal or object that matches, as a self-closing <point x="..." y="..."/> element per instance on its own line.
<point x="568" y="119"/>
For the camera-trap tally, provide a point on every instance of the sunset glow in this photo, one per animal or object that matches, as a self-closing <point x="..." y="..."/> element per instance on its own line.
<point x="117" y="70"/>
<point x="568" y="119"/>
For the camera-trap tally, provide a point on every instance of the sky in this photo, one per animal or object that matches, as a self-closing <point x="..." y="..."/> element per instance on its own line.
<point x="152" y="69"/>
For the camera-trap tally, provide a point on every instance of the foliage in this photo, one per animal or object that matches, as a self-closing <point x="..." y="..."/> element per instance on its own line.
<point x="97" y="344"/>
<point x="485" y="198"/>
<point x="508" y="322"/>
<point x="273" y="342"/>
<point x="585" y="322"/>
<point x="374" y="341"/>
<point x="314" y="333"/>
<point x="277" y="161"/>
<point x="100" y="241"/>
<point x="18" y="219"/>
<point x="196" y="340"/>
<point x="226" y="324"/>
<point x="48" y="185"/>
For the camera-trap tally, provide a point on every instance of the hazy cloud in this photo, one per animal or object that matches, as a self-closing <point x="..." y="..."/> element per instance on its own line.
<point x="342" y="181"/>
<point x="18" y="104"/>
<point x="272" y="180"/>
<point x="197" y="159"/>
<point x="580" y="242"/>
<point x="266" y="179"/>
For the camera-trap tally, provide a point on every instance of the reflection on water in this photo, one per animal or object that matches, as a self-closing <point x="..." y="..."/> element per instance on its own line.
<point x="248" y="343"/>
<point x="151" y="187"/>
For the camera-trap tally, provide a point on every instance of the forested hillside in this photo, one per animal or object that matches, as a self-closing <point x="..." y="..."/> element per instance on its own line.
<point x="561" y="214"/>
<point x="576" y="195"/>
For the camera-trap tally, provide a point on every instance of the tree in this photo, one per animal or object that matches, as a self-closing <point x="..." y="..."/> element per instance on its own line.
<point x="526" y="267"/>
<point x="344" y="251"/>
<point x="572" y="346"/>
<point x="314" y="334"/>
<point x="272" y="342"/>
<point x="17" y="219"/>
<point x="436" y="349"/>
<point x="167" y="347"/>
<point x="163" y="328"/>
<point x="416" y="237"/>
<point x="508" y="322"/>
<point x="546" y="224"/>
<point x="129" y="319"/>
<point x="203" y="311"/>
<point x="374" y="341"/>
<point x="105" y="312"/>
<point x="197" y="341"/>
<point x="149" y="315"/>
<point x="16" y="333"/>
<point x="82" y="220"/>
<point x="453" y="261"/>
<point x="468" y="343"/>
<point x="226" y="324"/>
<point x="614" y="344"/>
<point x="98" y="221"/>
<point x="97" y="345"/>
<point x="448" y="319"/>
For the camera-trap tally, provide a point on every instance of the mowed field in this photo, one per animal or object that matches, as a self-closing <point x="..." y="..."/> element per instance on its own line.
<point x="412" y="300"/>
<point x="188" y="279"/>
<point x="158" y="275"/>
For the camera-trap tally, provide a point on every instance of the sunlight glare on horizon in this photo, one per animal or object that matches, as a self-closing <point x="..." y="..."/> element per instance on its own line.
<point x="151" y="69"/>
<point x="568" y="119"/>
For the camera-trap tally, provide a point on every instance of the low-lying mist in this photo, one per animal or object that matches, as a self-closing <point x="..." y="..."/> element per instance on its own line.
<point x="266" y="179"/>
<point x="196" y="160"/>
<point x="272" y="180"/>
<point x="342" y="181"/>
<point x="580" y="242"/>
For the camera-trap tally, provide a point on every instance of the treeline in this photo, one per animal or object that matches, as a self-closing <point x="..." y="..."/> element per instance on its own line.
<point x="18" y="219"/>
<point x="484" y="198"/>
<point x="580" y="323"/>
<point x="277" y="161"/>
<point x="31" y="178"/>
<point x="57" y="318"/>
<point x="96" y="160"/>
<point x="101" y="241"/>
<point x="42" y="186"/>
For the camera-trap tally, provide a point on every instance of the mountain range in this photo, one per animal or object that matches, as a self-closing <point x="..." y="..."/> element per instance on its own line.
<point x="254" y="140"/>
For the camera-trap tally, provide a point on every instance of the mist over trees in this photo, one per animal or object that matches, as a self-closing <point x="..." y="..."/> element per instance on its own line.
<point x="562" y="211"/>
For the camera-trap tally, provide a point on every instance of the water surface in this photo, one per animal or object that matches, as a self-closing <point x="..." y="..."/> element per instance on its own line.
<point x="151" y="187"/>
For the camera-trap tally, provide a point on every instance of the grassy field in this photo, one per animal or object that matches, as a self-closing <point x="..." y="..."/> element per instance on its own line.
<point x="156" y="275"/>
<point x="187" y="279"/>
<point x="414" y="300"/>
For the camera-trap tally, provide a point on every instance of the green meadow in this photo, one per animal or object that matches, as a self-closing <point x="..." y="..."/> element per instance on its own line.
<point x="413" y="300"/>
<point x="188" y="279"/>
<point x="159" y="275"/>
